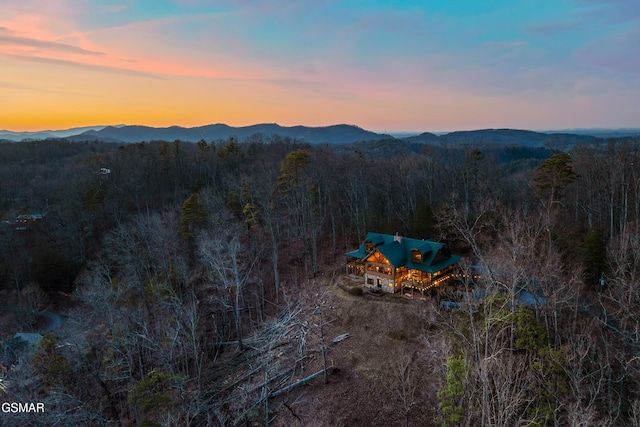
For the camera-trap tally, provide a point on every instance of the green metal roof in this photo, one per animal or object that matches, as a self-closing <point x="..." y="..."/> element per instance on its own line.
<point x="376" y="239"/>
<point x="398" y="253"/>
<point x="424" y="248"/>
<point x="433" y="268"/>
<point x="394" y="252"/>
<point x="358" y="253"/>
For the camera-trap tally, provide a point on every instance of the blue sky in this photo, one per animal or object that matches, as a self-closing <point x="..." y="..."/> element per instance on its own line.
<point x="395" y="66"/>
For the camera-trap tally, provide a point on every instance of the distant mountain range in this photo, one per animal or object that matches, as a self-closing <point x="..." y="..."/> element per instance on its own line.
<point x="337" y="134"/>
<point x="19" y="136"/>
<point x="601" y="132"/>
<point x="333" y="134"/>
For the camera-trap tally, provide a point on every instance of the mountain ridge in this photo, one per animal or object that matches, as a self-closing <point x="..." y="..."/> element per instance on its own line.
<point x="44" y="134"/>
<point x="337" y="134"/>
<point x="333" y="134"/>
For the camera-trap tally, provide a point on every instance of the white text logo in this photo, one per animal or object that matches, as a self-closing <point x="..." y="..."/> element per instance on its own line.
<point x="15" y="407"/>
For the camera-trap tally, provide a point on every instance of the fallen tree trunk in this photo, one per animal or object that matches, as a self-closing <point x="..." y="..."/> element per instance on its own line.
<point x="299" y="382"/>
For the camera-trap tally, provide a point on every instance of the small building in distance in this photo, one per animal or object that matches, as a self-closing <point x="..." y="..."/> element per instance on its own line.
<point x="30" y="218"/>
<point x="390" y="263"/>
<point x="25" y="221"/>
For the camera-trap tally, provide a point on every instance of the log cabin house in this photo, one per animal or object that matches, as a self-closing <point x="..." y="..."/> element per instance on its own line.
<point x="390" y="263"/>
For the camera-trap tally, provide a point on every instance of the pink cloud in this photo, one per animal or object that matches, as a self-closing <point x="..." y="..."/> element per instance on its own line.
<point x="41" y="19"/>
<point x="28" y="35"/>
<point x="85" y="66"/>
<point x="8" y="39"/>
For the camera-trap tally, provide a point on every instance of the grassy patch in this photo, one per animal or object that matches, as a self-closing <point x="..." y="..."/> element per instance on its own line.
<point x="397" y="298"/>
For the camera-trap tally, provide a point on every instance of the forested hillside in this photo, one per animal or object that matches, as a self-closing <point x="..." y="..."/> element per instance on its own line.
<point x="194" y="283"/>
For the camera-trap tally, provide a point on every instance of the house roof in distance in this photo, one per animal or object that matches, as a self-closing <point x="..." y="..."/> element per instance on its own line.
<point x="398" y="251"/>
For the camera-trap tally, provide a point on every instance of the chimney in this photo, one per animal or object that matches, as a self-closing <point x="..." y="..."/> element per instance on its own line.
<point x="397" y="238"/>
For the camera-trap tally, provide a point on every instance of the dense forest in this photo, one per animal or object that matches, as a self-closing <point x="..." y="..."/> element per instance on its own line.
<point x="195" y="284"/>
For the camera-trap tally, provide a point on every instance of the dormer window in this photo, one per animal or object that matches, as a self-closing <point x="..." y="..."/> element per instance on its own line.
<point x="416" y="255"/>
<point x="369" y="246"/>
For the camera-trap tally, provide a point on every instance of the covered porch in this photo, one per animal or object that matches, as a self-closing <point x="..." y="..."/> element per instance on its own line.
<point x="422" y="281"/>
<point x="355" y="267"/>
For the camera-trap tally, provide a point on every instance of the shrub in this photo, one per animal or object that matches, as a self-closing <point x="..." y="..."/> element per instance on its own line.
<point x="356" y="291"/>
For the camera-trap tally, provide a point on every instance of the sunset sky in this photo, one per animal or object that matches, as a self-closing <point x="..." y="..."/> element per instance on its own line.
<point x="382" y="65"/>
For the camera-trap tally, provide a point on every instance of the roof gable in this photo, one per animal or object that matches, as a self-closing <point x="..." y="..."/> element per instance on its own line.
<point x="377" y="256"/>
<point x="395" y="253"/>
